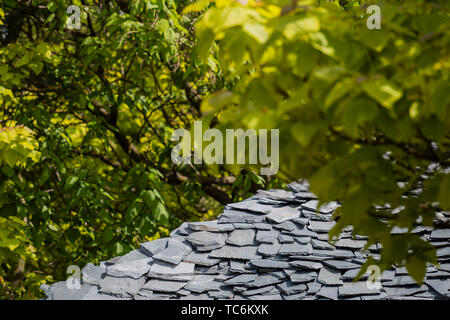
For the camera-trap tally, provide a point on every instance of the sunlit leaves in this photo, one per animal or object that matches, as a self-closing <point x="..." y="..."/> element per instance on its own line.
<point x="16" y="145"/>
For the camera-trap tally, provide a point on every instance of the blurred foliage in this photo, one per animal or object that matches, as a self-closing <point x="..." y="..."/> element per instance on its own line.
<point x="363" y="114"/>
<point x="86" y="117"/>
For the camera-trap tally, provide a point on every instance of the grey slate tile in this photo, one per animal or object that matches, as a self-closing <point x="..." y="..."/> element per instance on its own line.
<point x="323" y="245"/>
<point x="270" y="264"/>
<point x="289" y="287"/>
<point x="302" y="240"/>
<point x="212" y="226"/>
<point x="202" y="259"/>
<point x="350" y="244"/>
<point x="295" y="249"/>
<point x="252" y="292"/>
<point x="269" y="249"/>
<point x="328" y="292"/>
<point x="166" y="271"/>
<point x="297" y="296"/>
<point x="440" y="234"/>
<point x="92" y="274"/>
<point x="286" y="225"/>
<point x="207" y="239"/>
<point x="380" y="296"/>
<point x="195" y="297"/>
<point x="443" y="252"/>
<point x="305" y="195"/>
<point x="283" y="238"/>
<point x="263" y="280"/>
<point x="223" y="294"/>
<point x="133" y="269"/>
<point x="306" y="265"/>
<point x="59" y="291"/>
<point x="399" y="281"/>
<point x="240" y="225"/>
<point x="302" y="276"/>
<point x="314" y="287"/>
<point x="174" y="253"/>
<point x="277" y="194"/>
<point x="263" y="226"/>
<point x="299" y="186"/>
<point x="279" y="215"/>
<point x="275" y="296"/>
<point x="235" y="216"/>
<point x="321" y="226"/>
<point x="165" y="286"/>
<point x="203" y="283"/>
<point x="341" y="265"/>
<point x="237" y="266"/>
<point x="440" y="286"/>
<point x="155" y="246"/>
<point x="133" y="255"/>
<point x="329" y="277"/>
<point x="241" y="237"/>
<point x="351" y="274"/>
<point x="301" y="221"/>
<point x="121" y="285"/>
<point x="241" y="253"/>
<point x="250" y="205"/>
<point x="405" y="291"/>
<point x="241" y="279"/>
<point x="356" y="289"/>
<point x="267" y="237"/>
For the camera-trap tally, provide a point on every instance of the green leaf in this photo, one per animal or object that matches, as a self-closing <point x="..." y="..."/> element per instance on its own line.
<point x="10" y="244"/>
<point x="257" y="31"/>
<point x="339" y="90"/>
<point x="196" y="6"/>
<point x="416" y="268"/>
<point x="161" y="214"/>
<point x="70" y="182"/>
<point x="383" y="92"/>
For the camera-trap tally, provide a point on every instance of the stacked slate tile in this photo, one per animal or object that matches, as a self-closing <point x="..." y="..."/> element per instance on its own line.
<point x="271" y="246"/>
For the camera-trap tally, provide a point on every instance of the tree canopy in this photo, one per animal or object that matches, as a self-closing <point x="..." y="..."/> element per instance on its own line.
<point x="87" y="115"/>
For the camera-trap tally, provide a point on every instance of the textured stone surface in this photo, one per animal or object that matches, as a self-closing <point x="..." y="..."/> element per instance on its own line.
<point x="356" y="289"/>
<point x="162" y="270"/>
<point x="207" y="239"/>
<point x="133" y="269"/>
<point x="174" y="252"/>
<point x="164" y="285"/>
<point x="279" y="215"/>
<point x="273" y="245"/>
<point x="329" y="277"/>
<point x="202" y="259"/>
<point x="93" y="274"/>
<point x="245" y="253"/>
<point x="241" y="238"/>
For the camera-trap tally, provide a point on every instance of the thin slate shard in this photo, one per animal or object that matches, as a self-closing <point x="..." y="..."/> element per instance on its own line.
<point x="356" y="289"/>
<point x="212" y="226"/>
<point x="164" y="285"/>
<point x="230" y="252"/>
<point x="274" y="245"/>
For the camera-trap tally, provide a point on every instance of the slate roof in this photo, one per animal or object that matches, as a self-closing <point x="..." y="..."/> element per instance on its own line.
<point x="271" y="246"/>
